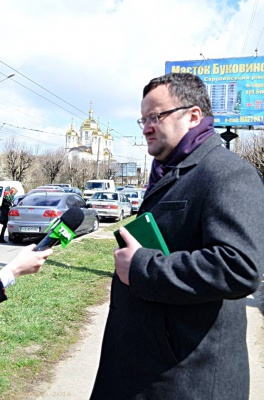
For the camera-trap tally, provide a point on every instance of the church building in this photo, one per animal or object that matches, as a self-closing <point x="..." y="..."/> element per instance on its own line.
<point x="90" y="142"/>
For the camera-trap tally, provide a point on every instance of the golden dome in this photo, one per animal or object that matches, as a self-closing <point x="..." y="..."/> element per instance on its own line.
<point x="72" y="132"/>
<point x="89" y="123"/>
<point x="107" y="135"/>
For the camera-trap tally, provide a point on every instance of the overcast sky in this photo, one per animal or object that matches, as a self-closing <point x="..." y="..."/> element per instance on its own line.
<point x="66" y="53"/>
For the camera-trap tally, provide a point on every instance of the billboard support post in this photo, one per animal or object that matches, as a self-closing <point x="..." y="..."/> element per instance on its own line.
<point x="228" y="136"/>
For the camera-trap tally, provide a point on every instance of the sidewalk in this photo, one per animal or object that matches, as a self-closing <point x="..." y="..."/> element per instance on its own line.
<point x="74" y="377"/>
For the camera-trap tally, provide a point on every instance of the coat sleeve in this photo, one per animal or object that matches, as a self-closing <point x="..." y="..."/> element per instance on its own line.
<point x="229" y="264"/>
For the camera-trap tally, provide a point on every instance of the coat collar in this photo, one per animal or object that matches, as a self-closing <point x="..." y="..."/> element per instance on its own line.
<point x="190" y="161"/>
<point x="198" y="154"/>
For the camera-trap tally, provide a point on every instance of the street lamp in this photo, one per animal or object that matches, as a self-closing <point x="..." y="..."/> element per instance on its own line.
<point x="9" y="76"/>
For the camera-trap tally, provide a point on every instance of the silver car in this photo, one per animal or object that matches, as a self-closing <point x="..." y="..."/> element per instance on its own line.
<point x="36" y="210"/>
<point x="135" y="197"/>
<point x="111" y="205"/>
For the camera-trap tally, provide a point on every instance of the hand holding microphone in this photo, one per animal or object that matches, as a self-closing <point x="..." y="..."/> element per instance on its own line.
<point x="62" y="230"/>
<point x="28" y="262"/>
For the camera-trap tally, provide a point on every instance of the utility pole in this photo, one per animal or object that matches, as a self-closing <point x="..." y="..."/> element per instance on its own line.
<point x="98" y="158"/>
<point x="145" y="169"/>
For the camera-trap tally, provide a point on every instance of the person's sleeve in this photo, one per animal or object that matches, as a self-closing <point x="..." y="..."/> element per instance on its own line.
<point x="6" y="276"/>
<point x="230" y="263"/>
<point x="2" y="292"/>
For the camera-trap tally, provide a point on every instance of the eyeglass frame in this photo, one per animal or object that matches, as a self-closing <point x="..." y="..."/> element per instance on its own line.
<point x="157" y="116"/>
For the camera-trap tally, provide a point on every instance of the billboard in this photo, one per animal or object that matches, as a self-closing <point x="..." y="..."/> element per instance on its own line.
<point x="128" y="169"/>
<point x="235" y="87"/>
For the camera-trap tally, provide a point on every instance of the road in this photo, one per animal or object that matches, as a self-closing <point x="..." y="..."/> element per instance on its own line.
<point x="9" y="250"/>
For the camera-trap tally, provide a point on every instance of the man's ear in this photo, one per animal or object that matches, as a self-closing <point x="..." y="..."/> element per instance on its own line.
<point x="196" y="116"/>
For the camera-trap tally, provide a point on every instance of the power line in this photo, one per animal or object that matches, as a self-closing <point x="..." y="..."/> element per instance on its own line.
<point x="31" y="129"/>
<point x="250" y="25"/>
<point x="53" y="94"/>
<point x="9" y="132"/>
<point x="45" y="98"/>
<point x="259" y="38"/>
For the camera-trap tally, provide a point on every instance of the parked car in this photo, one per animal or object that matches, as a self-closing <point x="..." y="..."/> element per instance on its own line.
<point x="17" y="199"/>
<point x="111" y="205"/>
<point x="35" y="212"/>
<point x="63" y="185"/>
<point x="50" y="187"/>
<point x="72" y="189"/>
<point x="135" y="196"/>
<point x="38" y="189"/>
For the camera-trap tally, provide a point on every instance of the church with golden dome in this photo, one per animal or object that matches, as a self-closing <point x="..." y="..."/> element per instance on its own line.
<point x="90" y="142"/>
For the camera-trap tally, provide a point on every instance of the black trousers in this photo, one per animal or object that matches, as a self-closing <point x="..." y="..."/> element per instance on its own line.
<point x="2" y="234"/>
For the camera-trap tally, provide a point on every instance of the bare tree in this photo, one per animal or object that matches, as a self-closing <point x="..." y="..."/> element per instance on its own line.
<point x="51" y="163"/>
<point x="87" y="170"/>
<point x="108" y="169"/>
<point x="17" y="159"/>
<point x="252" y="150"/>
<point x="70" y="171"/>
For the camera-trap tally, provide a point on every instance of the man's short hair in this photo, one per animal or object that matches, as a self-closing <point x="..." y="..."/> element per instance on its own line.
<point x="189" y="89"/>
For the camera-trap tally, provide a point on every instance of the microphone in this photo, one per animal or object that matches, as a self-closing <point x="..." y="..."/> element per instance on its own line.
<point x="61" y="230"/>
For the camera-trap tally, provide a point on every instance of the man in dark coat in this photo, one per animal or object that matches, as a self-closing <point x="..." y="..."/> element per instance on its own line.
<point x="176" y="328"/>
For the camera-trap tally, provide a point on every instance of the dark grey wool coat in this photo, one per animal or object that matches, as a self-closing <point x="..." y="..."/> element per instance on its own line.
<point x="178" y="332"/>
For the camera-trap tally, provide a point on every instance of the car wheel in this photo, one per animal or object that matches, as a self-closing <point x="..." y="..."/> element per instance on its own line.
<point x="121" y="216"/>
<point x="95" y="225"/>
<point x="15" y="239"/>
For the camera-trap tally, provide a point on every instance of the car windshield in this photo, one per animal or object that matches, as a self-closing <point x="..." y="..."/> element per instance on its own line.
<point x="40" y="200"/>
<point x="94" y="185"/>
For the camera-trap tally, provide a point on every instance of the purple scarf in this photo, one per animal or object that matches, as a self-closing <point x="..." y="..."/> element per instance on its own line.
<point x="186" y="146"/>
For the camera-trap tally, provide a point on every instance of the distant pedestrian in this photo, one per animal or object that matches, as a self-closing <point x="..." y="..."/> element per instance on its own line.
<point x="4" y="209"/>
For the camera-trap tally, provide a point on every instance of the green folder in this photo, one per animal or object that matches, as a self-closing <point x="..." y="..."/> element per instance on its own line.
<point x="145" y="229"/>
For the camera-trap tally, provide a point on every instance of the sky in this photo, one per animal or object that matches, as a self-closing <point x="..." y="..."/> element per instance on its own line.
<point x="66" y="54"/>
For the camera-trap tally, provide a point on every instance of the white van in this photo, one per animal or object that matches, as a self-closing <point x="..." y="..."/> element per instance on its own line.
<point x="6" y="186"/>
<point x="95" y="185"/>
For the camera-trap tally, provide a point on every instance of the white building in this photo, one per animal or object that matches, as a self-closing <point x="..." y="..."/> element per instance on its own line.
<point x="90" y="142"/>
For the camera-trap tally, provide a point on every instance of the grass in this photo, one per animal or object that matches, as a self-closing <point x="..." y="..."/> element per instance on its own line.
<point x="45" y="312"/>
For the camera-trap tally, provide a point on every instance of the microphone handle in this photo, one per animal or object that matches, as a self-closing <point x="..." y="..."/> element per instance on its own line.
<point x="46" y="243"/>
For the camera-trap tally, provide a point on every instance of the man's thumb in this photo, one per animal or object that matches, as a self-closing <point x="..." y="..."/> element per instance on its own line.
<point x="128" y="238"/>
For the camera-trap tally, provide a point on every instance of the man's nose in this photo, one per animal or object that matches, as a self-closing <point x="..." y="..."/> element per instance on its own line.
<point x="148" y="128"/>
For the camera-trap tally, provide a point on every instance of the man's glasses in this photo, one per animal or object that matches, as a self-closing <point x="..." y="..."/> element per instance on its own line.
<point x="155" y="118"/>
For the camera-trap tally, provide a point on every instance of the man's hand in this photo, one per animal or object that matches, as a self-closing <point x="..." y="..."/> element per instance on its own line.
<point x="124" y="256"/>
